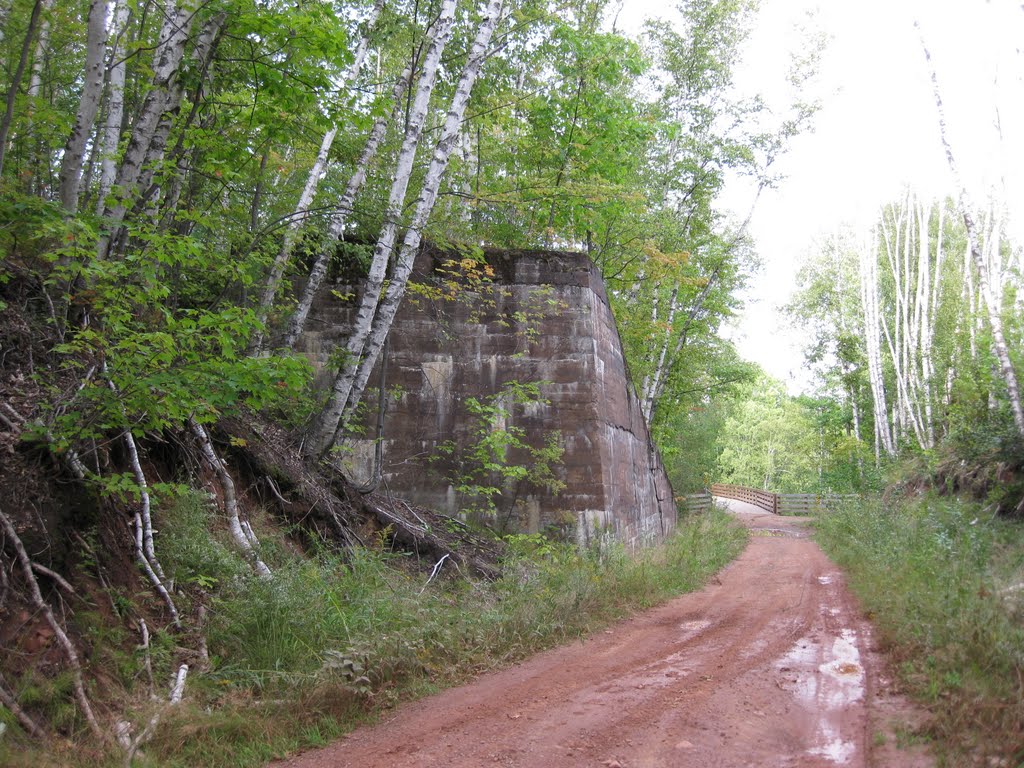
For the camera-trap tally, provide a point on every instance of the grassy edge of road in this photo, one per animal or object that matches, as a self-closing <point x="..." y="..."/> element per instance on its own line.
<point x="329" y="643"/>
<point x="943" y="582"/>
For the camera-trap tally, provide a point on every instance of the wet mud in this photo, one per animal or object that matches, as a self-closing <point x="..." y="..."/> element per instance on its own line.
<point x="771" y="664"/>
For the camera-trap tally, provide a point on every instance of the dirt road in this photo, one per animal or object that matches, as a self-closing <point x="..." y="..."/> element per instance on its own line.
<point x="770" y="665"/>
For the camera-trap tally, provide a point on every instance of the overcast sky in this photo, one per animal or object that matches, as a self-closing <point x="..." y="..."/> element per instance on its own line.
<point x="877" y="130"/>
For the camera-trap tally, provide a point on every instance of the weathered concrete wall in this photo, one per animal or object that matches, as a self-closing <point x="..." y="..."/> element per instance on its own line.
<point x="545" y="319"/>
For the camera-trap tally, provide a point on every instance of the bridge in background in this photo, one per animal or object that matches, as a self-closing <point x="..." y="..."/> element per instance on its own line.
<point x="769" y="501"/>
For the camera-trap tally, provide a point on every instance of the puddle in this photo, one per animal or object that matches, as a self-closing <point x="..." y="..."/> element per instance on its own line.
<point x="691" y="628"/>
<point x="826" y="678"/>
<point x="833" y="748"/>
<point x="788" y="533"/>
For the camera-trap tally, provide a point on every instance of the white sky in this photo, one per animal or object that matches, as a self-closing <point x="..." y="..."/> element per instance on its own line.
<point x="877" y="130"/>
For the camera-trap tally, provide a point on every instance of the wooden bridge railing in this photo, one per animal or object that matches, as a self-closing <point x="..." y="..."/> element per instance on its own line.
<point x="780" y="503"/>
<point x="695" y="503"/>
<point x="766" y="500"/>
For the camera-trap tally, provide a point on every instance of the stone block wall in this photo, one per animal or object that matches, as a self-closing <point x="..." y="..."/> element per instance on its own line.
<point x="544" y="317"/>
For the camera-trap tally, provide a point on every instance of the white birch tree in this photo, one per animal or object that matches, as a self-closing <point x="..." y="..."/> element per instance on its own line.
<point x="328" y="421"/>
<point x="316" y="173"/>
<point x="88" y="106"/>
<point x="988" y="295"/>
<point x="447" y="142"/>
<point x="343" y="211"/>
<point x="115" y="105"/>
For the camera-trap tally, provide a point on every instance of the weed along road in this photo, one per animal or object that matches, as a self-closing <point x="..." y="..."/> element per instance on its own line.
<point x="769" y="665"/>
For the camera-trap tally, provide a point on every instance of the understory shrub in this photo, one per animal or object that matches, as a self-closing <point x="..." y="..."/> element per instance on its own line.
<point x="943" y="581"/>
<point x="332" y="639"/>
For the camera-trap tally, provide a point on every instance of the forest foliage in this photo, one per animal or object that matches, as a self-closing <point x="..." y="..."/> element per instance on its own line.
<point x="900" y="337"/>
<point x="179" y="179"/>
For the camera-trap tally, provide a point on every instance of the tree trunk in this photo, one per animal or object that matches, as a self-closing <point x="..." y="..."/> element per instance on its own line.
<point x="166" y="63"/>
<point x="424" y="205"/>
<point x="88" y="105"/>
<point x="115" y="108"/>
<point x="327" y="423"/>
<point x="19" y="72"/>
<point x="654" y="383"/>
<point x="241" y="531"/>
<point x="308" y="192"/>
<point x="342" y="211"/>
<point x="984" y="286"/>
<point x="35" y="89"/>
<point x="872" y="333"/>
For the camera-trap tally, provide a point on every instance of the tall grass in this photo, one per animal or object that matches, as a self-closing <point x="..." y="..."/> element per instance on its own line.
<point x="941" y="578"/>
<point x="330" y="641"/>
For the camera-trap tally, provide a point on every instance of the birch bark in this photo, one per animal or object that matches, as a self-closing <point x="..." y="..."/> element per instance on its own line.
<point x="867" y="263"/>
<point x="330" y="417"/>
<point x="342" y="211"/>
<point x="88" y="105"/>
<point x="166" y="62"/>
<point x="351" y="381"/>
<point x="984" y="287"/>
<point x="392" y="298"/>
<point x="653" y="384"/>
<point x="115" y="107"/>
<point x="308" y="192"/>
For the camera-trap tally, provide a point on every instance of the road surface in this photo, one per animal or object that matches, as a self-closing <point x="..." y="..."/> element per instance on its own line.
<point x="769" y="665"/>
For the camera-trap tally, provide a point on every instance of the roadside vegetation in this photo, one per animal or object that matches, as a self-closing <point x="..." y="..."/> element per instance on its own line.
<point x="943" y="581"/>
<point x="334" y="640"/>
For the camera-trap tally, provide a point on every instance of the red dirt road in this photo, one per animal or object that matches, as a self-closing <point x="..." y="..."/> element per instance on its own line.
<point x="770" y="665"/>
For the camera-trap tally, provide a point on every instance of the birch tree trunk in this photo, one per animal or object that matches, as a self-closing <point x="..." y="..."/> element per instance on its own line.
<point x="867" y="261"/>
<point x="205" y="45"/>
<point x="115" y="107"/>
<point x="35" y="89"/>
<point x="88" y="105"/>
<point x="170" y="50"/>
<point x="984" y="286"/>
<point x="928" y="282"/>
<point x="425" y="204"/>
<point x="241" y="531"/>
<point x="330" y="417"/>
<point x="336" y="229"/>
<point x="308" y="192"/>
<point x="653" y="383"/>
<point x="352" y="379"/>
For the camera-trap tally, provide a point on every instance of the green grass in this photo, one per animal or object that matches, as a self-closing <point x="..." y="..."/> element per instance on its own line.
<point x="937" y="576"/>
<point x="329" y="643"/>
<point x="334" y="640"/>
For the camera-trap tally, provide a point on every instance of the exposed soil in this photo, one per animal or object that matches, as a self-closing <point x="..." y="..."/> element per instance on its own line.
<point x="772" y="664"/>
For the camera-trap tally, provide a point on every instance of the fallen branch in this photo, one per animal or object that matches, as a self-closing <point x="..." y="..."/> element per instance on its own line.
<point x="8" y="700"/>
<point x="66" y="645"/>
<point x="241" y="532"/>
<point x="59" y="580"/>
<point x="433" y="573"/>
<point x="144" y="501"/>
<point x="177" y="691"/>
<point x="312" y="502"/>
<point x="275" y="491"/>
<point x="145" y="552"/>
<point x="204" y="651"/>
<point x="16" y="419"/>
<point x="158" y="585"/>
<point x="427" y="540"/>
<point x="147" y="659"/>
<point x="8" y="423"/>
